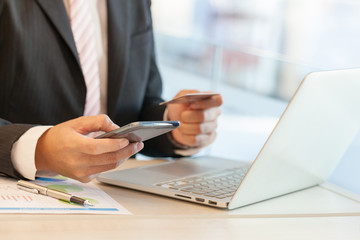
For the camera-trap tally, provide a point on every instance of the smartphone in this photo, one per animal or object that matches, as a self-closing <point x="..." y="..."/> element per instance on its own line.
<point x="142" y="131"/>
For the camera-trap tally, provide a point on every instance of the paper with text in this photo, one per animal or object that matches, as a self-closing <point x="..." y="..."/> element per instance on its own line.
<point x="14" y="200"/>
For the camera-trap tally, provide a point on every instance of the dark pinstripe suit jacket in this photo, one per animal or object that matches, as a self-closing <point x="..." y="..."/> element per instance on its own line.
<point x="40" y="75"/>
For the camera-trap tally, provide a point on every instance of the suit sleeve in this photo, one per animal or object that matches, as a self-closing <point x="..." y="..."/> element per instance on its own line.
<point x="9" y="134"/>
<point x="1" y="6"/>
<point x="151" y="111"/>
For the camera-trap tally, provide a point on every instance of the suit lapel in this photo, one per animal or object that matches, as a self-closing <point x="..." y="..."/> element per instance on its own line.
<point x="56" y="12"/>
<point x="118" y="42"/>
<point x="118" y="47"/>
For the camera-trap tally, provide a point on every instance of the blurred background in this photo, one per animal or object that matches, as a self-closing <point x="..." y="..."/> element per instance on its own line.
<point x="255" y="53"/>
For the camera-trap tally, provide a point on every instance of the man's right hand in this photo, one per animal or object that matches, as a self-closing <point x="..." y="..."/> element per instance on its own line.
<point x="65" y="149"/>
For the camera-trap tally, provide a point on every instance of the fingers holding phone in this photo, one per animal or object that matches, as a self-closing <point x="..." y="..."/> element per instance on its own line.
<point x="65" y="149"/>
<point x="106" y="161"/>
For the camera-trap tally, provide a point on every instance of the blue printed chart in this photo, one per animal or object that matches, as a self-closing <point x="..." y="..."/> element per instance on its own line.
<point x="14" y="200"/>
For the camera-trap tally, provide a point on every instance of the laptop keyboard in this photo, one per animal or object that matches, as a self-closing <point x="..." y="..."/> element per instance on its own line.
<point x="220" y="184"/>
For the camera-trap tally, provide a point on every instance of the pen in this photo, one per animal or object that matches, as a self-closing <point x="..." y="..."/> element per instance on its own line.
<point x="38" y="189"/>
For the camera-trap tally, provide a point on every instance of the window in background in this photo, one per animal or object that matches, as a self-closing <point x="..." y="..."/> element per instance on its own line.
<point x="265" y="46"/>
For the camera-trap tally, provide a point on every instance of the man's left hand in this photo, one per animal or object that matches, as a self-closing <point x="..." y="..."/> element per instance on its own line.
<point x="198" y="120"/>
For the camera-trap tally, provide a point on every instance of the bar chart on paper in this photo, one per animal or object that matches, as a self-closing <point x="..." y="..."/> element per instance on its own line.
<point x="14" y="200"/>
<point x="9" y="196"/>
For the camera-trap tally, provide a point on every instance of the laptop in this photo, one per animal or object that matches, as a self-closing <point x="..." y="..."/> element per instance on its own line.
<point x="315" y="130"/>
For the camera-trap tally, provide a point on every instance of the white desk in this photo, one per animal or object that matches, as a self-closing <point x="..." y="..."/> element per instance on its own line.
<point x="315" y="213"/>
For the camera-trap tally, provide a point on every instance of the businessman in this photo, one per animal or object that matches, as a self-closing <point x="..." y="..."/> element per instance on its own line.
<point x="64" y="64"/>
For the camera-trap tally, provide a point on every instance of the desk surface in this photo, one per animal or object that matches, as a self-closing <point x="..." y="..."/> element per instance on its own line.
<point x="315" y="213"/>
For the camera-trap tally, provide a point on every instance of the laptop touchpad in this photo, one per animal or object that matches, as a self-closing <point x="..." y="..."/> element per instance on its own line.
<point x="179" y="169"/>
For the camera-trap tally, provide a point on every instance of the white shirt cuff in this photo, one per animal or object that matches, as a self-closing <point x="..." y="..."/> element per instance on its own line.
<point x="23" y="151"/>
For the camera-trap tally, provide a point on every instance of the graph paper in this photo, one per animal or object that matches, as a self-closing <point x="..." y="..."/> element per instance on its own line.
<point x="14" y="200"/>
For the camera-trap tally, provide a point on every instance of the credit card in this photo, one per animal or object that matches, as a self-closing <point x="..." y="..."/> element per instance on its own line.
<point x="190" y="97"/>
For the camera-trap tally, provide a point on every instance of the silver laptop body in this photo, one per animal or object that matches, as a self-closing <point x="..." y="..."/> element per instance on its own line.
<point x="312" y="135"/>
